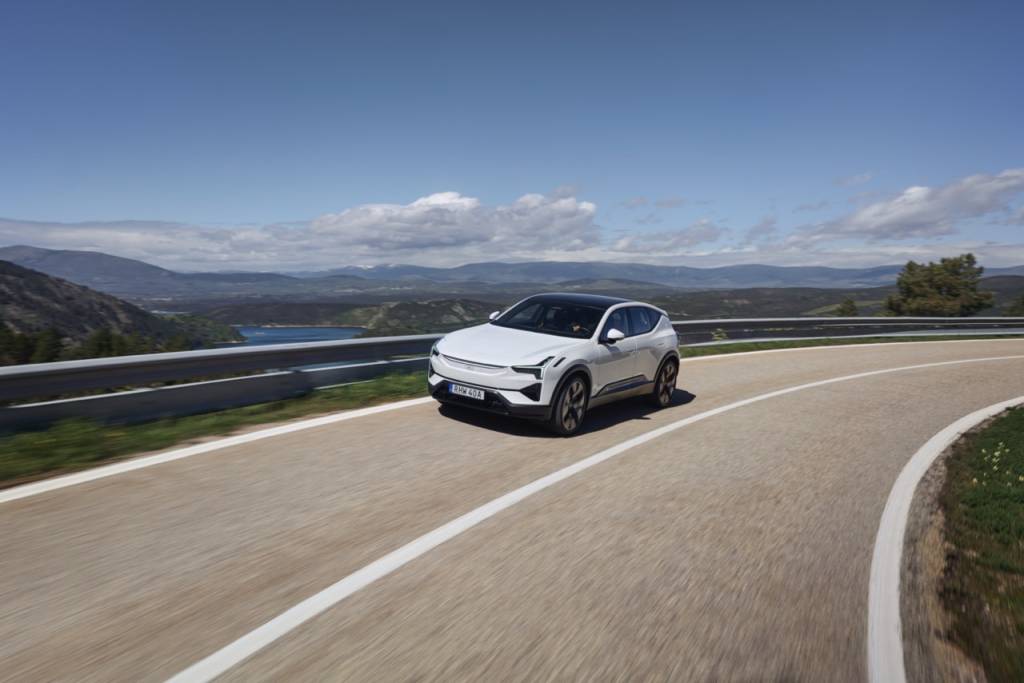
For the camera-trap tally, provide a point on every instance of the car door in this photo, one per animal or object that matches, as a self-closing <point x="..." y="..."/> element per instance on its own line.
<point x="616" y="362"/>
<point x="648" y="351"/>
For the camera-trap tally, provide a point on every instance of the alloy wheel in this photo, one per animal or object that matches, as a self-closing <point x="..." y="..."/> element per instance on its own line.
<point x="666" y="383"/>
<point x="573" y="405"/>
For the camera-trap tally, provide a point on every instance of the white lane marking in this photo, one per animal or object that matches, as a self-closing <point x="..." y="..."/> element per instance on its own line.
<point x="885" y="633"/>
<point x="60" y="482"/>
<point x="26" y="490"/>
<point x="220" y="661"/>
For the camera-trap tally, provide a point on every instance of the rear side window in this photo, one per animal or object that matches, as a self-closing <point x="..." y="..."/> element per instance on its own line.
<point x="642" y="320"/>
<point x="619" y="320"/>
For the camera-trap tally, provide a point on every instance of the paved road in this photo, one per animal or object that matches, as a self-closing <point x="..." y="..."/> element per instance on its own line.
<point x="735" y="548"/>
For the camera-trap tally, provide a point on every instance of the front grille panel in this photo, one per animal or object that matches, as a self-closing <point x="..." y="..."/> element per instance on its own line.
<point x="473" y="366"/>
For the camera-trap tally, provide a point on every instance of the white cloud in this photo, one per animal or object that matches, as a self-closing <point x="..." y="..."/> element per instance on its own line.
<point x="922" y="212"/>
<point x="448" y="228"/>
<point x="763" y="230"/>
<point x="635" y="202"/>
<point x="448" y="220"/>
<point x="671" y="241"/>
<point x="443" y="228"/>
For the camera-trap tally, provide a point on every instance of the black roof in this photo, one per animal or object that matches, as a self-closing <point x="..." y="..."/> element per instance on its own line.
<point x="595" y="300"/>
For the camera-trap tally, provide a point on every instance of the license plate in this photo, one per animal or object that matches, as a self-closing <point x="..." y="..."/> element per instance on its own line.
<point x="468" y="392"/>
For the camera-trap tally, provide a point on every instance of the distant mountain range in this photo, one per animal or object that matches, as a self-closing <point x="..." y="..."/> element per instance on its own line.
<point x="682" y="277"/>
<point x="128" y="277"/>
<point x="141" y="281"/>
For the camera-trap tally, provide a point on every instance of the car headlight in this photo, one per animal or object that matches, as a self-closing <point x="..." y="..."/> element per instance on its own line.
<point x="433" y="349"/>
<point x="535" y="370"/>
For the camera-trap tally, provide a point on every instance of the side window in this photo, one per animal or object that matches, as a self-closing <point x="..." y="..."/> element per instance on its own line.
<point x="619" y="320"/>
<point x="642" y="320"/>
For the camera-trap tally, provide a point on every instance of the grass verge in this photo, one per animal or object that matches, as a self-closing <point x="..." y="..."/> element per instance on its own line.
<point x="77" y="444"/>
<point x="982" y="587"/>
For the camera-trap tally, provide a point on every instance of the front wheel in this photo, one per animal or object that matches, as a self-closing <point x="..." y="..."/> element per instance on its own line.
<point x="665" y="385"/>
<point x="570" y="407"/>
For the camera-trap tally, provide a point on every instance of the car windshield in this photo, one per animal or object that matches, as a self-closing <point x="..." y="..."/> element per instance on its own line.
<point x="560" y="318"/>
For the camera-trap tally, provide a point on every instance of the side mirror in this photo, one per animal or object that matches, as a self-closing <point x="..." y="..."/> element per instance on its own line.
<point x="494" y="316"/>
<point x="613" y="335"/>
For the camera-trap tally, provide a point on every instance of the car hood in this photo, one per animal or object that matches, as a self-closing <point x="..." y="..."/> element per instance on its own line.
<point x="495" y="345"/>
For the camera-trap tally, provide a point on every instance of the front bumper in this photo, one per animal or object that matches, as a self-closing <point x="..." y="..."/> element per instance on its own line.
<point x="494" y="401"/>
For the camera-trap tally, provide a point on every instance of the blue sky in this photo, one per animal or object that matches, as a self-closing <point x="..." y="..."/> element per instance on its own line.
<point x="268" y="134"/>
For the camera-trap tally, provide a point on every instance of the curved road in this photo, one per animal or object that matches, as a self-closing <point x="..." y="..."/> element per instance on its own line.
<point x="737" y="547"/>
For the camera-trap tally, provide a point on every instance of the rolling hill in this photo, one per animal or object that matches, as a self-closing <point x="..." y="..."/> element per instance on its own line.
<point x="131" y="278"/>
<point x="407" y="317"/>
<point x="31" y="302"/>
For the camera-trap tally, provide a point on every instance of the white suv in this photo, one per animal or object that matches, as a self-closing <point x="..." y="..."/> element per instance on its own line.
<point x="552" y="356"/>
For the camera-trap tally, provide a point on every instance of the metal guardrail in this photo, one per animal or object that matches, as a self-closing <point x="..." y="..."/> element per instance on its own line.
<point x="693" y="331"/>
<point x="64" y="377"/>
<point x="288" y="370"/>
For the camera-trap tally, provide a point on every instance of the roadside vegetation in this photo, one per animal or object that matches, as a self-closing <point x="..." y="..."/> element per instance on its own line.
<point x="46" y="346"/>
<point x="946" y="288"/>
<point x="982" y="587"/>
<point x="79" y="443"/>
<point x="50" y="345"/>
<point x="45" y="319"/>
<point x="848" y="308"/>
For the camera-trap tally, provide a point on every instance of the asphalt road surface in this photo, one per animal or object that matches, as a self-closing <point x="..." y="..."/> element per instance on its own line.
<point x="737" y="547"/>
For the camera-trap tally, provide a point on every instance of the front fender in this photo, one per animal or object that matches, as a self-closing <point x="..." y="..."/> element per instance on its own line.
<point x="570" y="370"/>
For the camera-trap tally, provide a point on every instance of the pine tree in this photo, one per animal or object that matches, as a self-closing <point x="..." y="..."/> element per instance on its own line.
<point x="946" y="288"/>
<point x="847" y="309"/>
<point x="99" y="344"/>
<point x="47" y="347"/>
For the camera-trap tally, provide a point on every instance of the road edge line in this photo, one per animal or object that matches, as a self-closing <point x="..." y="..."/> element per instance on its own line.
<point x="885" y="631"/>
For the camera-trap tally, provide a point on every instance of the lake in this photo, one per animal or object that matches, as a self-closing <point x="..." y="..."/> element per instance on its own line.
<point x="258" y="336"/>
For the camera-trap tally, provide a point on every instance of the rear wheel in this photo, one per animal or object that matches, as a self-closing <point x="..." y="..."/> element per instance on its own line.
<point x="665" y="385"/>
<point x="570" y="407"/>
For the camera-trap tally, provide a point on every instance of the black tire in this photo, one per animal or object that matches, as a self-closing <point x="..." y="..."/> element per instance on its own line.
<point x="570" y="406"/>
<point x="665" y="383"/>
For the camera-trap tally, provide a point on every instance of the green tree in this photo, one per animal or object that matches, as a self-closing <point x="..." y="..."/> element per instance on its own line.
<point x="6" y="342"/>
<point x="18" y="348"/>
<point x="946" y="288"/>
<point x="178" y="342"/>
<point x="99" y="344"/>
<point x="120" y="345"/>
<point x="847" y="309"/>
<point x="47" y="347"/>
